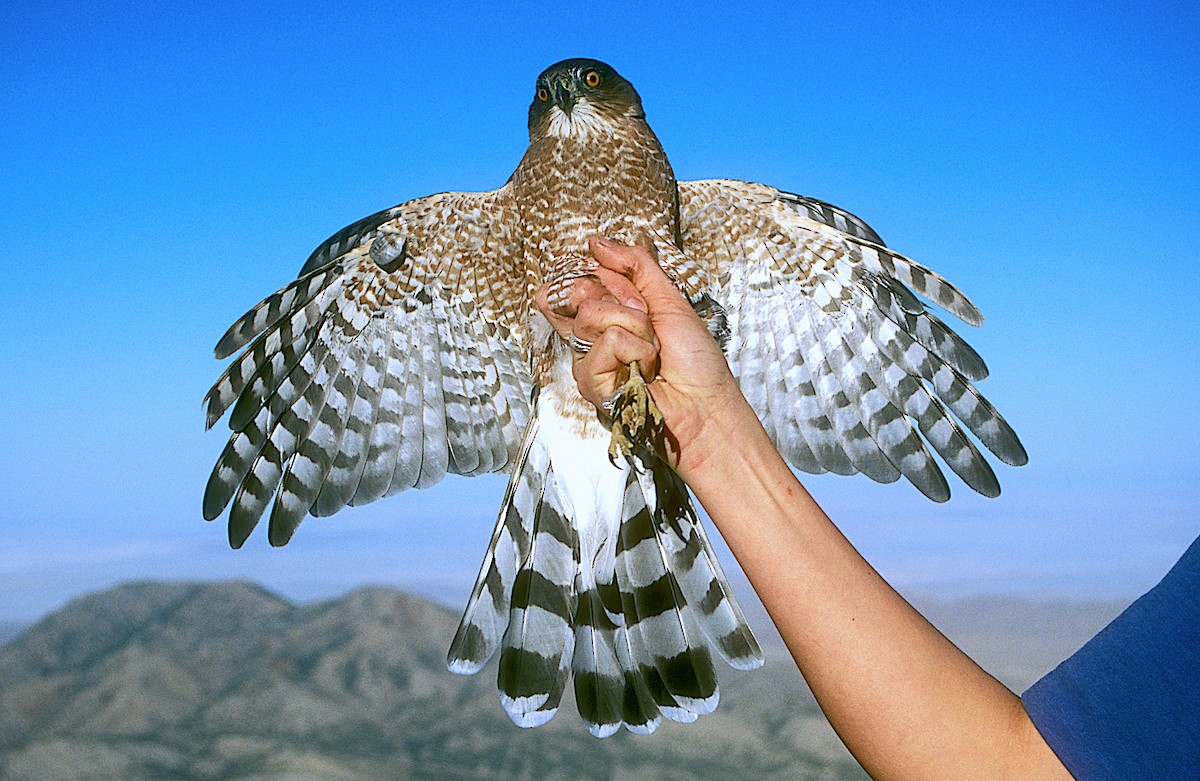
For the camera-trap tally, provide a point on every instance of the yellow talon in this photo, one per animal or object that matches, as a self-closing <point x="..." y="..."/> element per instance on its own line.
<point x="636" y="419"/>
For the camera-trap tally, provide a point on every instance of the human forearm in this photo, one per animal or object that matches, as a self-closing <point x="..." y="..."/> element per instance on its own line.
<point x="905" y="700"/>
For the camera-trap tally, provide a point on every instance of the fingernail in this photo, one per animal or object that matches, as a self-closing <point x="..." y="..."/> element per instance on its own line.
<point x="638" y="304"/>
<point x="605" y="242"/>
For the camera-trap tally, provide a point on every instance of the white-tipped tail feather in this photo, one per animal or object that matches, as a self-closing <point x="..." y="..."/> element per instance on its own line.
<point x="625" y="596"/>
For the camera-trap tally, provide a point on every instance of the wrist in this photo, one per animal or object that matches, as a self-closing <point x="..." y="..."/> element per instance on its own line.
<point x="729" y="439"/>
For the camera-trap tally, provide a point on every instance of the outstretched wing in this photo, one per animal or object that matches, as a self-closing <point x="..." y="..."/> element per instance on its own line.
<point x="848" y="369"/>
<point x="397" y="356"/>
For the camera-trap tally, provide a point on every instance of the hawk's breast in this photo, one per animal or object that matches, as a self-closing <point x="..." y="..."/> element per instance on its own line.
<point x="618" y="185"/>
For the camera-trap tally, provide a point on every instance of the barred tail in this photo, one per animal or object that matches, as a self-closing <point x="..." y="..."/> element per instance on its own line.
<point x="624" y="594"/>
<point x="701" y="582"/>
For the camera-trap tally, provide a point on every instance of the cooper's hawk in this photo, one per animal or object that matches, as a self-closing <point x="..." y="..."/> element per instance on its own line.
<point x="410" y="347"/>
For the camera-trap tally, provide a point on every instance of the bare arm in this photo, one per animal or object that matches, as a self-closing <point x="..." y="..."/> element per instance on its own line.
<point x="904" y="699"/>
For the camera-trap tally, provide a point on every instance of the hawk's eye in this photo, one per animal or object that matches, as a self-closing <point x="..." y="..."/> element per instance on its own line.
<point x="543" y="94"/>
<point x="592" y="79"/>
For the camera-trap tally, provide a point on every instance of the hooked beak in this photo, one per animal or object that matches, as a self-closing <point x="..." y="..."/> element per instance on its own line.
<point x="563" y="97"/>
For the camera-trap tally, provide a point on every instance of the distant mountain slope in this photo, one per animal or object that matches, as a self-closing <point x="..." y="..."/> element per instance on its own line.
<point x="1019" y="640"/>
<point x="10" y="629"/>
<point x="227" y="681"/>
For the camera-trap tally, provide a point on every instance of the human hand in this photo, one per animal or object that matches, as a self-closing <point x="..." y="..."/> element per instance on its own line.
<point x="631" y="311"/>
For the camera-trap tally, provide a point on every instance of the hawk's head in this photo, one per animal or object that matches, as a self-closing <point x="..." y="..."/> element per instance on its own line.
<point x="580" y="97"/>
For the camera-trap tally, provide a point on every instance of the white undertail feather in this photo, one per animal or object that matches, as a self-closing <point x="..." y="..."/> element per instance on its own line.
<point x="628" y="597"/>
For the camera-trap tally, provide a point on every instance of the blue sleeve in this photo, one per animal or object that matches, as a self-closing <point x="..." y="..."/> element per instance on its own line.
<point x="1127" y="704"/>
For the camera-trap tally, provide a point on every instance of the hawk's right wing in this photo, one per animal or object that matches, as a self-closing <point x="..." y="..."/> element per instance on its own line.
<point x="847" y="368"/>
<point x="397" y="356"/>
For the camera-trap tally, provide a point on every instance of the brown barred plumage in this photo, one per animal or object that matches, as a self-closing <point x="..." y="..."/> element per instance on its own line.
<point x="410" y="347"/>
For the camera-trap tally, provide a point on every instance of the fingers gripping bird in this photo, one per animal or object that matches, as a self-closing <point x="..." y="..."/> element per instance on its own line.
<point x="410" y="346"/>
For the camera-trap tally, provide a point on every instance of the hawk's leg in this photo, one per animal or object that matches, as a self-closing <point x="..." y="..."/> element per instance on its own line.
<point x="636" y="419"/>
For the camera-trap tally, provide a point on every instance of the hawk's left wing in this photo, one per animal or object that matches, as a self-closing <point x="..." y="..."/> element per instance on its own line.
<point x="839" y="358"/>
<point x="398" y="355"/>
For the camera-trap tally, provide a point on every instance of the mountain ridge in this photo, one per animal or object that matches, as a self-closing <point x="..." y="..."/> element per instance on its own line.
<point x="227" y="680"/>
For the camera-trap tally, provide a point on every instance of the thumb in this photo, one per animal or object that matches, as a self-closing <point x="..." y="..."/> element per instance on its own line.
<point x="639" y="266"/>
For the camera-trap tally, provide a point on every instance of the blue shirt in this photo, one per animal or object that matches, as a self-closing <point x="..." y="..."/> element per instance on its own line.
<point x="1127" y="705"/>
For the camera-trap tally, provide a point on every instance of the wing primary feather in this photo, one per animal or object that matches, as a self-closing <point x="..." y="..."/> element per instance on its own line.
<point x="283" y="419"/>
<point x="275" y="369"/>
<point x="895" y="439"/>
<point x="296" y="340"/>
<point x="274" y="434"/>
<point x="924" y="281"/>
<point x="910" y="394"/>
<point x="301" y="483"/>
<point x="957" y="392"/>
<point x="257" y="358"/>
<point x="925" y="328"/>
<point x="834" y="217"/>
<point x="272" y="308"/>
<point x="979" y="416"/>
<point x="920" y="376"/>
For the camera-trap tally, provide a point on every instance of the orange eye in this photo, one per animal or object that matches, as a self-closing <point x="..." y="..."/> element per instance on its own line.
<point x="543" y="94"/>
<point x="592" y="79"/>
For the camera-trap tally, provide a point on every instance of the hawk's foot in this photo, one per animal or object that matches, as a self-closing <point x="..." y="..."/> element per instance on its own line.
<point x="636" y="419"/>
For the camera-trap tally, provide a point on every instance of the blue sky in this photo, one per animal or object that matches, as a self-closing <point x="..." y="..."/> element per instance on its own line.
<point x="163" y="167"/>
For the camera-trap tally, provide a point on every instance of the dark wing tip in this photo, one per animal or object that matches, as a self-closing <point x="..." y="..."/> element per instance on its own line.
<point x="934" y="486"/>
<point x="237" y="537"/>
<point x="228" y="343"/>
<point x="968" y="313"/>
<point x="835" y="217"/>
<point x="240" y="526"/>
<point x="212" y="410"/>
<point x="1014" y="454"/>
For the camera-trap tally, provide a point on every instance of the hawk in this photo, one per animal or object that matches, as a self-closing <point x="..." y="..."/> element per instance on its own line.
<point x="410" y="346"/>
